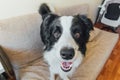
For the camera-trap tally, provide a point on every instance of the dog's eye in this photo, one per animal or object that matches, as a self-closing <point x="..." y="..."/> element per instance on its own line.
<point x="57" y="32"/>
<point x="77" y="35"/>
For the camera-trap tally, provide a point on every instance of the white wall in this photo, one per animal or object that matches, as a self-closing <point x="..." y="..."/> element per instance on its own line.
<point x="11" y="8"/>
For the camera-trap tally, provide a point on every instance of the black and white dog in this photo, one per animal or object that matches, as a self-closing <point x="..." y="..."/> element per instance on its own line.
<point x="65" y="39"/>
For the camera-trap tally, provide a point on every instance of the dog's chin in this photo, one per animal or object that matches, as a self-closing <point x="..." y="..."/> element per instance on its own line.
<point x="66" y="66"/>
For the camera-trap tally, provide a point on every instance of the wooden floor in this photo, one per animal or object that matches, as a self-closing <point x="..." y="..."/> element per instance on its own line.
<point x="111" y="70"/>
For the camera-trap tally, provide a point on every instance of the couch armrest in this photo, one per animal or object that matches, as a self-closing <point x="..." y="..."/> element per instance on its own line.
<point x="7" y="65"/>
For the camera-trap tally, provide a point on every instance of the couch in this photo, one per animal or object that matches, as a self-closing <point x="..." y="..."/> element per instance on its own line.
<point x="21" y="42"/>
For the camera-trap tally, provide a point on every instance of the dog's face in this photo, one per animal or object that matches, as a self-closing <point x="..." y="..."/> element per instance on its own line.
<point x="65" y="37"/>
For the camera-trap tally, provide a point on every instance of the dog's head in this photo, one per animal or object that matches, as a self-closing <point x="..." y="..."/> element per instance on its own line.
<point x="65" y="35"/>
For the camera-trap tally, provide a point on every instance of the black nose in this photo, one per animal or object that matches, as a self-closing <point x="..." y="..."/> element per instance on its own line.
<point x="67" y="53"/>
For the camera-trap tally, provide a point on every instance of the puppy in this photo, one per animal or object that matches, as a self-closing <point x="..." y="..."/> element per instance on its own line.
<point x="65" y="39"/>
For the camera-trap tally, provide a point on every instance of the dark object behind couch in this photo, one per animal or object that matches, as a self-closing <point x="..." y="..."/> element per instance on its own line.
<point x="9" y="73"/>
<point x="113" y="11"/>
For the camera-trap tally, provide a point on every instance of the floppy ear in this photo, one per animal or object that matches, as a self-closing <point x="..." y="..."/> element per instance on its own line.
<point x="87" y="22"/>
<point x="86" y="26"/>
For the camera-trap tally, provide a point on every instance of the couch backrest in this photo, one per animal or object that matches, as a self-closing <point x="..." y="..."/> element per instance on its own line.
<point x="20" y="38"/>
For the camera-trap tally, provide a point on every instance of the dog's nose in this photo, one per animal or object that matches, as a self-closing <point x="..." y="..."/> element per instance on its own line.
<point x="67" y="53"/>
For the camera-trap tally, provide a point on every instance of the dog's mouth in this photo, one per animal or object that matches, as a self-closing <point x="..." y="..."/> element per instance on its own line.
<point x="66" y="66"/>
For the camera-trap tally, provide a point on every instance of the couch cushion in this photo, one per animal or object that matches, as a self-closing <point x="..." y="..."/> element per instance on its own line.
<point x="20" y="38"/>
<point x="99" y="48"/>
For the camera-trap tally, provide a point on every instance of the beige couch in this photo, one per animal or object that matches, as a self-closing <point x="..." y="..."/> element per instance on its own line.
<point x="20" y="39"/>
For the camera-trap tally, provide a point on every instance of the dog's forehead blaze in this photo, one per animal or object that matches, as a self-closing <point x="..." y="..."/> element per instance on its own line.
<point x="66" y="22"/>
<point x="66" y="36"/>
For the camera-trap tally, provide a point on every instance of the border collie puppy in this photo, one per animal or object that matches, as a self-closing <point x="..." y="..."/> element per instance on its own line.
<point x="65" y="39"/>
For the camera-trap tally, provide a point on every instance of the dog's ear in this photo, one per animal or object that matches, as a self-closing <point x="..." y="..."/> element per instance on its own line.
<point x="45" y="9"/>
<point x="87" y="22"/>
<point x="86" y="26"/>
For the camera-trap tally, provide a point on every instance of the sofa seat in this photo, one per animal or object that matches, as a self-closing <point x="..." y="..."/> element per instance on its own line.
<point x="99" y="48"/>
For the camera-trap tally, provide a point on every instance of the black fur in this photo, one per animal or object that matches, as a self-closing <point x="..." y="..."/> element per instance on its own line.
<point x="44" y="10"/>
<point x="81" y="25"/>
<point x="50" y="31"/>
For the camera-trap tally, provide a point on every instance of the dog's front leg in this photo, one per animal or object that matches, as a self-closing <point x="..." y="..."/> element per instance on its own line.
<point x="66" y="78"/>
<point x="52" y="75"/>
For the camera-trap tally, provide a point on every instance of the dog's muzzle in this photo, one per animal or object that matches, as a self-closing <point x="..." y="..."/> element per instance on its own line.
<point x="67" y="54"/>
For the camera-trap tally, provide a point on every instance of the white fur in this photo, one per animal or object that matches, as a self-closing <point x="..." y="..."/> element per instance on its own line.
<point x="53" y="56"/>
